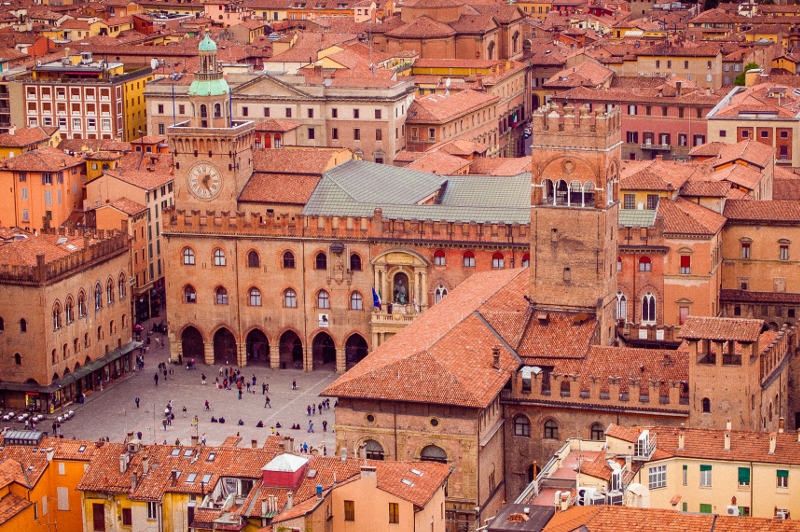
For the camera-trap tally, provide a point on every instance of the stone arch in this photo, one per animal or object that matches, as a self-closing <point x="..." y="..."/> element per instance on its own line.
<point x="323" y="350"/>
<point x="192" y="345"/>
<point x="257" y="347"/>
<point x="355" y="349"/>
<point x="224" y="347"/>
<point x="290" y="350"/>
<point x="433" y="453"/>
<point x="373" y="448"/>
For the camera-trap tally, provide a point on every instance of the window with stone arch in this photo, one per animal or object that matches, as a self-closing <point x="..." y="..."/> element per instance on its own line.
<point x="289" y="298"/>
<point x="355" y="262"/>
<point x="81" y="304"/>
<point x="98" y="296"/>
<point x="526" y="260"/>
<point x="522" y="426"/>
<point x="253" y="260"/>
<point x="23" y="325"/>
<point x="323" y="299"/>
<point x="469" y="259"/>
<point x="255" y="297"/>
<point x="439" y="258"/>
<point x="649" y="309"/>
<point x="597" y="432"/>
<point x="706" y="404"/>
<point x="69" y="311"/>
<point x="288" y="260"/>
<point x="188" y="257"/>
<point x="498" y="261"/>
<point x="622" y="306"/>
<point x="373" y="450"/>
<point x="432" y="453"/>
<point x="550" y="429"/>
<point x="189" y="294"/>
<point x="122" y="289"/>
<point x="645" y="264"/>
<point x="356" y="301"/>
<point x="321" y="261"/>
<point x="219" y="257"/>
<point x="56" y="316"/>
<point x="110" y="292"/>
<point x="221" y="295"/>
<point x="439" y="293"/>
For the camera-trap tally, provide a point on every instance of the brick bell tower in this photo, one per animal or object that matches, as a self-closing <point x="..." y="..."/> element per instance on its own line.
<point x="574" y="212"/>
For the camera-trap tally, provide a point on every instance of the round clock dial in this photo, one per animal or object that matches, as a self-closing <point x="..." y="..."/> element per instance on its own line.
<point x="204" y="181"/>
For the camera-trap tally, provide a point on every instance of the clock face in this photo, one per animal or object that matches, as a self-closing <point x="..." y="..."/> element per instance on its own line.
<point x="204" y="181"/>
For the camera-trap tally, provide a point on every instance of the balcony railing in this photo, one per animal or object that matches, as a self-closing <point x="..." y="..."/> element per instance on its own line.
<point x="656" y="147"/>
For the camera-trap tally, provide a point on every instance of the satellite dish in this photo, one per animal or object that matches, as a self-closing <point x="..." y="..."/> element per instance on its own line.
<point x="154" y="63"/>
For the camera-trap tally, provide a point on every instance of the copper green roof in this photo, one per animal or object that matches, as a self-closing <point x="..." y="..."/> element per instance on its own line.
<point x="207" y="44"/>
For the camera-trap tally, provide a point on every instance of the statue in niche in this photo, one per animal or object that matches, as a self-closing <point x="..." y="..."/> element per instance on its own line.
<point x="401" y="288"/>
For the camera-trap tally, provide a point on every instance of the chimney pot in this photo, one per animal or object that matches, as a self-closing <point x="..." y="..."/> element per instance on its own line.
<point x="728" y="425"/>
<point x="773" y="441"/>
<point x="727" y="441"/>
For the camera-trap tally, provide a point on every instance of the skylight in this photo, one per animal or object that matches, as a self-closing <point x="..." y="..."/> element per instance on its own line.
<point x="190" y="478"/>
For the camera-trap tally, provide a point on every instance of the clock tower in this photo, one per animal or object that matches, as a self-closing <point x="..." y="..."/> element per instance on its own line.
<point x="212" y="151"/>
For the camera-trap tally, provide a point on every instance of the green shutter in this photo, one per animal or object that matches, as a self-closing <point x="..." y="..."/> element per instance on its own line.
<point x="705" y="467"/>
<point x="705" y="508"/>
<point x="685" y="467"/>
<point x="685" y="506"/>
<point x="744" y="476"/>
<point x="783" y="473"/>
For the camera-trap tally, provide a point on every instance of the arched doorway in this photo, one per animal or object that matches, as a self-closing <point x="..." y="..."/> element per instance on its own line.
<point x="355" y="349"/>
<point x="224" y="347"/>
<point x="324" y="350"/>
<point x="257" y="348"/>
<point x="192" y="343"/>
<point x="291" y="351"/>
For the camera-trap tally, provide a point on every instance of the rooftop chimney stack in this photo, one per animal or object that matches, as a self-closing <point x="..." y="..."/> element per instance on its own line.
<point x="727" y="441"/>
<point x="728" y="425"/>
<point x="781" y="424"/>
<point x="681" y="436"/>
<point x="496" y="357"/>
<point x="773" y="441"/>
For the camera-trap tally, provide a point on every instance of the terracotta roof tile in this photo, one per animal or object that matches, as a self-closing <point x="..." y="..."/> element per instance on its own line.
<point x="24" y="137"/>
<point x="687" y="218"/>
<point x="23" y="252"/>
<point x="439" y="162"/>
<point x="785" y="184"/>
<point x="422" y="27"/>
<point x="42" y="160"/>
<point x="655" y="175"/>
<point x="144" y="170"/>
<point x="705" y="189"/>
<point x="11" y="505"/>
<point x="738" y="329"/>
<point x="290" y="189"/>
<point x="295" y="160"/>
<point x="125" y="206"/>
<point x="440" y="108"/>
<point x="787" y="211"/>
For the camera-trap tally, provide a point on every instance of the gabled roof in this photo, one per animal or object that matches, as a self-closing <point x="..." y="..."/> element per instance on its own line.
<point x="440" y="108"/>
<point x="684" y="217"/>
<point x="658" y="175"/>
<point x="721" y="329"/>
<point x="45" y="159"/>
<point x="786" y="211"/>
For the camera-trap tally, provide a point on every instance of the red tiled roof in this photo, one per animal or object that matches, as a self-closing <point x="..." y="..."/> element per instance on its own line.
<point x="294" y="160"/>
<point x="290" y="189"/>
<point x="737" y="329"/>
<point x="144" y="170"/>
<point x="687" y="218"/>
<point x="42" y="160"/>
<point x="126" y="206"/>
<point x="439" y="108"/>
<point x="763" y="211"/>
<point x="24" y="137"/>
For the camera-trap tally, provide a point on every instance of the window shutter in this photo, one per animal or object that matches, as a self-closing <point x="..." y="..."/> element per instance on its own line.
<point x="685" y="261"/>
<point x="783" y="473"/>
<point x="744" y="475"/>
<point x="705" y="467"/>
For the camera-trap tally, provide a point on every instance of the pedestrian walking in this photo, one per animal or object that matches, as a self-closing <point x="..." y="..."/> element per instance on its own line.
<point x="264" y="388"/>
<point x="266" y="402"/>
<point x="155" y="379"/>
<point x="240" y="394"/>
<point x="208" y="405"/>
<point x="294" y="385"/>
<point x="324" y="426"/>
<point x="137" y="401"/>
<point x="314" y="410"/>
<point x="310" y="426"/>
<point x="164" y="423"/>
<point x="202" y="378"/>
<point x="308" y="410"/>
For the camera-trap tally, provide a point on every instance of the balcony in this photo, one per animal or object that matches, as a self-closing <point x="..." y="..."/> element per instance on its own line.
<point x="656" y="147"/>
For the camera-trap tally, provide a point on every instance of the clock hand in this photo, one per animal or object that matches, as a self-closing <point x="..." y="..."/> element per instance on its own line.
<point x="205" y="180"/>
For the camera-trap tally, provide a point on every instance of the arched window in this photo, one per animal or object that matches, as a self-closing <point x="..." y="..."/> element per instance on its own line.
<point x="288" y="260"/>
<point x="498" y="262"/>
<point x="188" y="256"/>
<point x="253" y="260"/>
<point x="189" y="294"/>
<point x="17" y="359"/>
<point x="356" y="301"/>
<point x="219" y="257"/>
<point x="550" y="430"/>
<point x="432" y="453"/>
<point x="622" y="306"/>
<point x="99" y="332"/>
<point x="439" y="258"/>
<point x="98" y="296"/>
<point x="649" y="309"/>
<point x="290" y="298"/>
<point x="355" y="262"/>
<point x="323" y="299"/>
<point x="706" y="405"/>
<point x="23" y="325"/>
<point x="619" y="264"/>
<point x="81" y="304"/>
<point x="522" y="426"/>
<point x="221" y="296"/>
<point x="203" y="111"/>
<point x="373" y="450"/>
<point x="122" y="289"/>
<point x="69" y="311"/>
<point x="469" y="259"/>
<point x="255" y="297"/>
<point x="56" y="316"/>
<point x="53" y="356"/>
<point x="645" y="265"/>
<point x="321" y="261"/>
<point x="597" y="432"/>
<point x="86" y="340"/>
<point x="439" y="293"/>
<point x="526" y="260"/>
<point x="217" y="110"/>
<point x="110" y="292"/>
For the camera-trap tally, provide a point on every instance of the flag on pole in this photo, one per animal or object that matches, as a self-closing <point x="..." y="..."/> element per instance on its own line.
<point x="376" y="299"/>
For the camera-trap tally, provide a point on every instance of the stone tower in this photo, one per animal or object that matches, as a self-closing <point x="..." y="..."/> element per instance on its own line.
<point x="574" y="211"/>
<point x="213" y="152"/>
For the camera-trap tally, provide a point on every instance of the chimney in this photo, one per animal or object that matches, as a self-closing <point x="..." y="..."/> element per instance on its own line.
<point x="678" y="87"/>
<point x="727" y="444"/>
<point x="173" y="476"/>
<point x="12" y="129"/>
<point x="253" y="444"/>
<point x="496" y="357"/>
<point x="728" y="425"/>
<point x="344" y="454"/>
<point x="781" y="424"/>
<point x="773" y="441"/>
<point x="289" y="499"/>
<point x="134" y="480"/>
<point x="681" y="438"/>
<point x="145" y="464"/>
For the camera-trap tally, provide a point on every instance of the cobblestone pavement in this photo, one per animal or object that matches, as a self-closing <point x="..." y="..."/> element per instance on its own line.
<point x="112" y="412"/>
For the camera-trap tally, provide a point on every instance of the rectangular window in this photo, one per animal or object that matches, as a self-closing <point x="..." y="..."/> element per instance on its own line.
<point x="652" y="202"/>
<point x="63" y="498"/>
<point x="657" y="477"/>
<point x="355" y="114"/>
<point x="632" y="137"/>
<point x="744" y="477"/>
<point x="632" y="110"/>
<point x="782" y="478"/>
<point x="335" y="133"/>
<point x="152" y="510"/>
<point x="784" y="252"/>
<point x="356" y="134"/>
<point x="127" y="519"/>
<point x="378" y="134"/>
<point x="705" y="508"/>
<point x="745" y="250"/>
<point x="629" y="201"/>
<point x="288" y="112"/>
<point x="377" y="114"/>
<point x="311" y="134"/>
<point x="705" y="476"/>
<point x="349" y="510"/>
<point x="394" y="513"/>
<point x="161" y="108"/>
<point x="310" y="113"/>
<point x="334" y="113"/>
<point x="686" y="264"/>
<point x="648" y="110"/>
<point x="685" y="475"/>
<point x="686" y="65"/>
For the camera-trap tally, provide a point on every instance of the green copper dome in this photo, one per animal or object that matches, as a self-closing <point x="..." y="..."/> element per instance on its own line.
<point x="207" y="44"/>
<point x="209" y="87"/>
